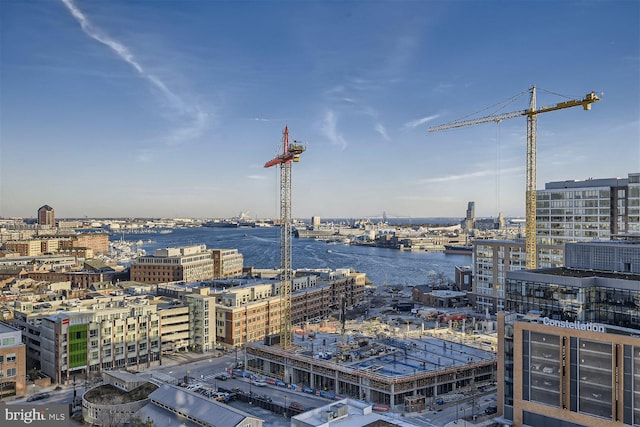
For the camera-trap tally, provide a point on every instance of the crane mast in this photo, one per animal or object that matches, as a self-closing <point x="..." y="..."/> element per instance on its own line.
<point x="532" y="126"/>
<point x="290" y="153"/>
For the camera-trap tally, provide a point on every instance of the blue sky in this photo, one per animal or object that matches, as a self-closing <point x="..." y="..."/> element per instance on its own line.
<point x="171" y="108"/>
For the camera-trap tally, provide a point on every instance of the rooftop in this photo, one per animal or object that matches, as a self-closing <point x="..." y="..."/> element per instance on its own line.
<point x="387" y="357"/>
<point x="197" y="408"/>
<point x="357" y="414"/>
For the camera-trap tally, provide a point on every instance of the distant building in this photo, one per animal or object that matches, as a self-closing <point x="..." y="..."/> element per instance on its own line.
<point x="26" y="248"/>
<point x="315" y="222"/>
<point x="98" y="242"/>
<point x="188" y="264"/>
<point x="464" y="278"/>
<point x="469" y="221"/>
<point x="46" y="216"/>
<point x="227" y="263"/>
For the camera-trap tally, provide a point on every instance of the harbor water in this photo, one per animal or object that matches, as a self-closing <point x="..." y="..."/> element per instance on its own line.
<point x="261" y="249"/>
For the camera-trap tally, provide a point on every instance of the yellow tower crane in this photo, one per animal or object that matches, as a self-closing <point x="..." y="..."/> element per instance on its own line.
<point x="532" y="124"/>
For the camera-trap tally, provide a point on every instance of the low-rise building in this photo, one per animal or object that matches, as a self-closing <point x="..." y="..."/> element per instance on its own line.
<point x="174" y="406"/>
<point x="174" y="326"/>
<point x="13" y="378"/>
<point x="188" y="264"/>
<point x="109" y="333"/>
<point x="227" y="263"/>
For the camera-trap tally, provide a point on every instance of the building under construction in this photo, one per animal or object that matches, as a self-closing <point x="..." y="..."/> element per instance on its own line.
<point x="386" y="371"/>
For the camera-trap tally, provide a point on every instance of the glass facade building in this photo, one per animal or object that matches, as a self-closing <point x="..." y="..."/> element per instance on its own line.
<point x="574" y="211"/>
<point x="569" y="350"/>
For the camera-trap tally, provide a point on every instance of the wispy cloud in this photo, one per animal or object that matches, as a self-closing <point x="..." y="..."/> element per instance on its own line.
<point x="256" y="177"/>
<point x="419" y="122"/>
<point x="330" y="130"/>
<point x="196" y="118"/>
<point x="443" y="87"/>
<point x="471" y="175"/>
<point x="379" y="127"/>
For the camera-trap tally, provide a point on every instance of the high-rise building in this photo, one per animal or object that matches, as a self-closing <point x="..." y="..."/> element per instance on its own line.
<point x="492" y="260"/>
<point x="569" y="347"/>
<point x="567" y="211"/>
<point x="46" y="216"/>
<point x="579" y="211"/>
<point x="469" y="221"/>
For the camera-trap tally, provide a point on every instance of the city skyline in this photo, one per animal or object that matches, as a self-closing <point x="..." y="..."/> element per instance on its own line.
<point x="167" y="109"/>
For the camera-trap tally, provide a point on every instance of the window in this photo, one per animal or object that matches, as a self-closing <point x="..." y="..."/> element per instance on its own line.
<point x="11" y="372"/>
<point x="11" y="358"/>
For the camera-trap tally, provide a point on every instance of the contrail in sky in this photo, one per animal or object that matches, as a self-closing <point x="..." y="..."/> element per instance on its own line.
<point x="198" y="116"/>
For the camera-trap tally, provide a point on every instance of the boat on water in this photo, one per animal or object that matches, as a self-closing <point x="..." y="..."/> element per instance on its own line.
<point x="458" y="249"/>
<point x="224" y="224"/>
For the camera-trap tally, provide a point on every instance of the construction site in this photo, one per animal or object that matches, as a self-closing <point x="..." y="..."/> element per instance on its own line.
<point x="385" y="369"/>
<point x="413" y="373"/>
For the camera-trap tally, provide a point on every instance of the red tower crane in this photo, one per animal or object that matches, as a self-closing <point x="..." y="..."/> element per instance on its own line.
<point x="290" y="153"/>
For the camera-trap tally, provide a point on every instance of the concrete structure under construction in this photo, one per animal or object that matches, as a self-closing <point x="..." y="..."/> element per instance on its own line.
<point x="384" y="371"/>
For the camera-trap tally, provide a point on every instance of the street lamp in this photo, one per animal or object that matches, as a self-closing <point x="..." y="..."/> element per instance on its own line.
<point x="285" y="406"/>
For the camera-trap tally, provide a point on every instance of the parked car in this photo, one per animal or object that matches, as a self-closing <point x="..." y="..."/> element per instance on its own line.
<point x="296" y="406"/>
<point x="38" y="396"/>
<point x="281" y="383"/>
<point x="309" y="390"/>
<point x="327" y="394"/>
<point x="491" y="410"/>
<point x="259" y="383"/>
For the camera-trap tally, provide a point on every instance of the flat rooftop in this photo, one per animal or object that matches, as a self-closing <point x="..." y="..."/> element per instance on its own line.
<point x="572" y="272"/>
<point x="388" y="357"/>
<point x="4" y="328"/>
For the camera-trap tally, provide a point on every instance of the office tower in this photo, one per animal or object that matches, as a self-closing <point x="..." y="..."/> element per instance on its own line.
<point x="569" y="345"/>
<point x="46" y="216"/>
